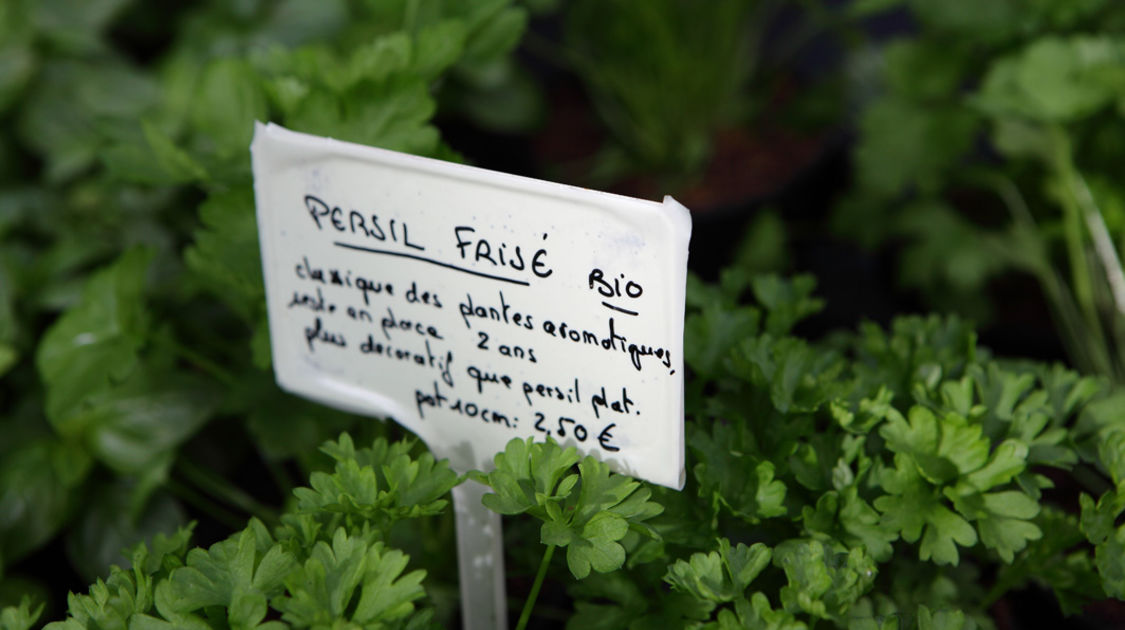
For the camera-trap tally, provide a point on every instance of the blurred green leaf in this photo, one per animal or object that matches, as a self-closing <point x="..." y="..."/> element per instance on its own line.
<point x="111" y="525"/>
<point x="228" y="101"/>
<point x="225" y="254"/>
<point x="96" y="343"/>
<point x="39" y="486"/>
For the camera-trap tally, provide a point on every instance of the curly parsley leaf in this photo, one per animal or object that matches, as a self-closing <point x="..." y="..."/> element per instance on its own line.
<point x="1098" y="523"/>
<point x="732" y="478"/>
<point x="719" y="576"/>
<point x="914" y="509"/>
<point x="528" y="476"/>
<point x="592" y="526"/>
<point x="588" y="513"/>
<point x="21" y="617"/>
<point x="350" y="581"/>
<point x="824" y="580"/>
<point x="241" y="574"/>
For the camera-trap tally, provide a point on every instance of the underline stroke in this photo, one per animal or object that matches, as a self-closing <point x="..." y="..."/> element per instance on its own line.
<point x="439" y="263"/>
<point x="619" y="309"/>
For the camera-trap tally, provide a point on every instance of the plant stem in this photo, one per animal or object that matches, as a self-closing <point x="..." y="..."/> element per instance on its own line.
<point x="1103" y="242"/>
<point x="1065" y="309"/>
<point x="216" y="371"/>
<point x="1074" y="217"/>
<point x="277" y="472"/>
<point x="221" y="489"/>
<point x="201" y="502"/>
<point x="534" y="594"/>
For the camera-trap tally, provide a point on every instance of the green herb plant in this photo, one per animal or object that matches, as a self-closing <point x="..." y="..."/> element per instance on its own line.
<point x="135" y="379"/>
<point x="873" y="479"/>
<point x="326" y="564"/>
<point x="869" y="481"/>
<point x="667" y="77"/>
<point x="990" y="149"/>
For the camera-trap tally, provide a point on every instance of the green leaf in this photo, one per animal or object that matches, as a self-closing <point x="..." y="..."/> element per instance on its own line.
<point x="1052" y="560"/>
<point x="9" y="356"/>
<point x="495" y="34"/>
<point x="846" y="517"/>
<point x="924" y="69"/>
<point x="709" y="333"/>
<point x="152" y="159"/>
<point x="945" y="249"/>
<point x="283" y="425"/>
<point x="965" y="18"/>
<point x="527" y="476"/>
<point x="727" y="476"/>
<point x="17" y="58"/>
<point x="943" y="620"/>
<point x="943" y="530"/>
<point x="823" y="581"/>
<point x="163" y="553"/>
<point x="1008" y="460"/>
<point x="225" y="254"/>
<point x="350" y="581"/>
<point x="228" y="100"/>
<point x="234" y="574"/>
<point x="1111" y="453"/>
<point x="719" y="576"/>
<point x="386" y="594"/>
<point x="1098" y="519"/>
<point x="1110" y="560"/>
<point x="136" y="426"/>
<point x="439" y="46"/>
<point x="1054" y="79"/>
<point x="903" y="143"/>
<point x="112" y="523"/>
<point x="393" y="115"/>
<point x="1003" y="519"/>
<point x="914" y="509"/>
<point x="418" y="485"/>
<point x="72" y="110"/>
<point x="786" y="302"/>
<point x="376" y="485"/>
<point x="97" y="341"/>
<point x="179" y="166"/>
<point x="1099" y="524"/>
<point x="798" y="377"/>
<point x="913" y="352"/>
<point x="606" y="505"/>
<point x="624" y="600"/>
<point x="39" y="485"/>
<point x="600" y="507"/>
<point x="943" y="449"/>
<point x="76" y="26"/>
<point x="757" y="613"/>
<point x="22" y="617"/>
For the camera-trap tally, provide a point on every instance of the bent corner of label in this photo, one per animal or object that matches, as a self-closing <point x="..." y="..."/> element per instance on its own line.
<point x="260" y="131"/>
<point x="679" y="215"/>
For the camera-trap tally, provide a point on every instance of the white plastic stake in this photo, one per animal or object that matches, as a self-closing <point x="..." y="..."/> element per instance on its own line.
<point x="480" y="560"/>
<point x="475" y="307"/>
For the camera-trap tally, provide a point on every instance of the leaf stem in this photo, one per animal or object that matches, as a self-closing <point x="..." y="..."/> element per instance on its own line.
<point x="223" y="490"/>
<point x="216" y="371"/>
<point x="1031" y="242"/>
<point x="203" y="503"/>
<point x="277" y="472"/>
<point x="534" y="594"/>
<point x="1081" y="276"/>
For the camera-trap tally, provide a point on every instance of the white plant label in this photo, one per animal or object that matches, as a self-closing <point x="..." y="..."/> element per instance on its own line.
<point x="473" y="306"/>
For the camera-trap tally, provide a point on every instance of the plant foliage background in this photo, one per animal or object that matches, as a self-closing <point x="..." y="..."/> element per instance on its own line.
<point x="878" y="476"/>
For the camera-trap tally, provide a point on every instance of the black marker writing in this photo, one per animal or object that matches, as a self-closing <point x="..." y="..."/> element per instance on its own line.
<point x="355" y="222"/>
